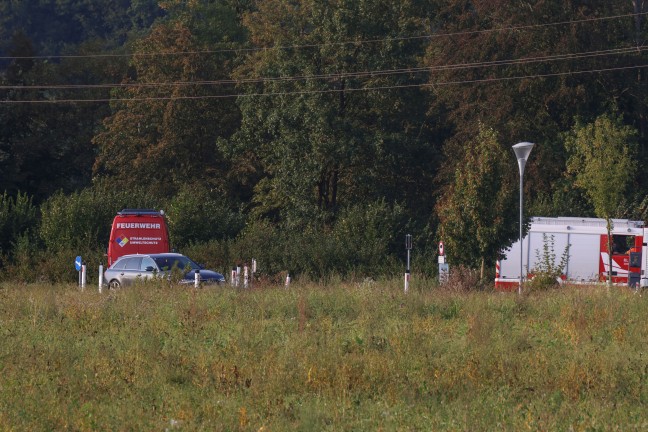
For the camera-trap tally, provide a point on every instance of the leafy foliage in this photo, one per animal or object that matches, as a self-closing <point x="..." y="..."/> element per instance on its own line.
<point x="325" y="127"/>
<point x="82" y="220"/>
<point x="602" y="160"/>
<point x="44" y="147"/>
<point x="56" y="25"/>
<point x="18" y="219"/>
<point x="168" y="140"/>
<point x="195" y="216"/>
<point x="320" y="148"/>
<point x="478" y="211"/>
<point x="548" y="271"/>
<point x="522" y="81"/>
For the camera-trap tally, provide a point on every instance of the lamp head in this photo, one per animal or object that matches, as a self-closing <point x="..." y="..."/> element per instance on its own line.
<point x="522" y="151"/>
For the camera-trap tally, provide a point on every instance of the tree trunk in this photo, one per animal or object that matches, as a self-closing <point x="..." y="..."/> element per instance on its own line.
<point x="481" y="271"/>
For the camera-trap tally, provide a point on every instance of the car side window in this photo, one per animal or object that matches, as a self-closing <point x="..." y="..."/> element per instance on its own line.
<point x="119" y="265"/>
<point x="163" y="264"/>
<point x="147" y="262"/>
<point x="133" y="263"/>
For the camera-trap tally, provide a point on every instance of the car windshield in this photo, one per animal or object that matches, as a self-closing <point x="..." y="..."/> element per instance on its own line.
<point x="180" y="262"/>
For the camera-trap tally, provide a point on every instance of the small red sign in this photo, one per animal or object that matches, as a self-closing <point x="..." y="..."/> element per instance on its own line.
<point x="441" y="250"/>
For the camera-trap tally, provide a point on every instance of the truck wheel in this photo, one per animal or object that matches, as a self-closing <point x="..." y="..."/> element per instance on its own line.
<point x="114" y="284"/>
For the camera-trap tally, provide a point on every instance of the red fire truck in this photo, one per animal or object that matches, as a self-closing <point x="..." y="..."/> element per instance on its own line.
<point x="586" y="246"/>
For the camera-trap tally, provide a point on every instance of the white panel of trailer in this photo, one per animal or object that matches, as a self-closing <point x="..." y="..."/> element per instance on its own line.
<point x="536" y="248"/>
<point x="584" y="258"/>
<point x="582" y="262"/>
<point x="510" y="265"/>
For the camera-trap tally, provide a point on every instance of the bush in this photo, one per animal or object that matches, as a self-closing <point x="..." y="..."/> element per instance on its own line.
<point x="32" y="264"/>
<point x="259" y="240"/>
<point x="360" y="243"/>
<point x="82" y="220"/>
<point x="463" y="279"/>
<point x="264" y="242"/>
<point x="369" y="236"/>
<point x="196" y="216"/>
<point x="18" y="215"/>
<point x="214" y="254"/>
<point x="547" y="272"/>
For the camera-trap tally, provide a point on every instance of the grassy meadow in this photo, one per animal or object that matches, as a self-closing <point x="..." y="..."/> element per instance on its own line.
<point x="342" y="356"/>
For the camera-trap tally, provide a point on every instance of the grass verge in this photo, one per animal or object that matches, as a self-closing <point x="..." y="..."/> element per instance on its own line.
<point x="339" y="357"/>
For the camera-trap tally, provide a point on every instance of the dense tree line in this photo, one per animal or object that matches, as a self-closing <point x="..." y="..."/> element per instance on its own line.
<point x="315" y="133"/>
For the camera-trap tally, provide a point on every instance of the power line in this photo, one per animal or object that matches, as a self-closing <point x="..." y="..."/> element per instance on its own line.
<point x="359" y="74"/>
<point x="350" y="42"/>
<point x="311" y="92"/>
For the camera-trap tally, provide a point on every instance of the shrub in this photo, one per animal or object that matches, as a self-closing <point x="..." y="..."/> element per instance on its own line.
<point x="83" y="219"/>
<point x="213" y="254"/>
<point x="262" y="241"/>
<point x="367" y="236"/>
<point x="547" y="272"/>
<point x="361" y="243"/>
<point x="463" y="279"/>
<point x="196" y="215"/>
<point x="17" y="216"/>
<point x="32" y="264"/>
<point x="20" y="263"/>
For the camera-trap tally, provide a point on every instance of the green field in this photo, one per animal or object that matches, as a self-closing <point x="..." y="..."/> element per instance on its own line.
<point x="359" y="356"/>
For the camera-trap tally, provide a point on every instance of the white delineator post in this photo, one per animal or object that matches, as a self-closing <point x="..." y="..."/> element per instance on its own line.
<point x="522" y="151"/>
<point x="100" y="277"/>
<point x="408" y="246"/>
<point x="83" y="277"/>
<point x="254" y="269"/>
<point x="197" y="279"/>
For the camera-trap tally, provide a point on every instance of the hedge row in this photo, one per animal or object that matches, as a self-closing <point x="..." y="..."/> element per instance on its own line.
<point x="40" y="243"/>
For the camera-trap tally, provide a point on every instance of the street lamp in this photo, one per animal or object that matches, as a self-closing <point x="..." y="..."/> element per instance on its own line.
<point x="522" y="151"/>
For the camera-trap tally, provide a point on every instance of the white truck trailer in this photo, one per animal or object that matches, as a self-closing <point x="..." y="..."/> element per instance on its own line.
<point x="585" y="240"/>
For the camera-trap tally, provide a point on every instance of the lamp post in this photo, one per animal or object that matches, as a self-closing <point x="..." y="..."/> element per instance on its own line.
<point x="522" y="151"/>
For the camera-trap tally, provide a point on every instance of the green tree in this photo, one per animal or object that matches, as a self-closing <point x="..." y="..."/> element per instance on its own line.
<point x="45" y="147"/>
<point x="602" y="159"/>
<point x="512" y="66"/>
<point x="314" y="145"/>
<point x="479" y="209"/>
<point x="163" y="130"/>
<point x="57" y="26"/>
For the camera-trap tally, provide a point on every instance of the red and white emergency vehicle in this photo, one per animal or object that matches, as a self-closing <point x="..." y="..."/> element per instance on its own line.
<point x="585" y="240"/>
<point x="138" y="231"/>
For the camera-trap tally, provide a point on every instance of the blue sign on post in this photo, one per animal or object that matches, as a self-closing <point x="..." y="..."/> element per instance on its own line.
<point x="78" y="263"/>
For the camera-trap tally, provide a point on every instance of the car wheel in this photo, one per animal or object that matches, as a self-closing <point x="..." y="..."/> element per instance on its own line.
<point x="114" y="284"/>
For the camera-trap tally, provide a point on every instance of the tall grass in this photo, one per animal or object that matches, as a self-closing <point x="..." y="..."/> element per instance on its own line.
<point x="360" y="356"/>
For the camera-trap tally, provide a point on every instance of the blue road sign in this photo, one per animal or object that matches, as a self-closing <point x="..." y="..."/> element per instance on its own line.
<point x="78" y="263"/>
